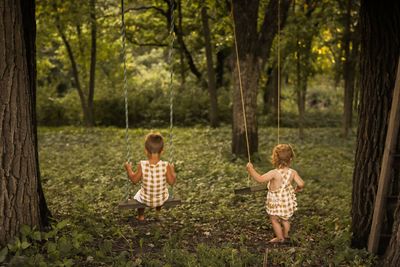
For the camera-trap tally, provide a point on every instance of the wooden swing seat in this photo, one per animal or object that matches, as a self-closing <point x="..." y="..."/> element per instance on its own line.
<point x="134" y="204"/>
<point x="250" y="189"/>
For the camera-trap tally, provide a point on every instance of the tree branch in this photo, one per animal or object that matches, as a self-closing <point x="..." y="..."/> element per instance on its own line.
<point x="154" y="44"/>
<point x="269" y="27"/>
<point x="145" y="8"/>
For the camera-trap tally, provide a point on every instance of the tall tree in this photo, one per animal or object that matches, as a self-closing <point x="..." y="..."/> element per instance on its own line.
<point x="307" y="28"/>
<point x="21" y="197"/>
<point x="86" y="96"/>
<point x="351" y="48"/>
<point x="212" y="84"/>
<point x="253" y="50"/>
<point x="380" y="50"/>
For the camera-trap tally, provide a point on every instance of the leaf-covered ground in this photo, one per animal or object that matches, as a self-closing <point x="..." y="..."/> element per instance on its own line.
<point x="83" y="179"/>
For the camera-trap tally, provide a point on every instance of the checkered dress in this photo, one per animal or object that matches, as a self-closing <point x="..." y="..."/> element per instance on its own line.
<point x="154" y="191"/>
<point x="282" y="202"/>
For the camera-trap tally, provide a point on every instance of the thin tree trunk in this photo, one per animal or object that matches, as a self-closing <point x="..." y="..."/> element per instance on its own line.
<point x="270" y="95"/>
<point x="304" y="43"/>
<point x="380" y="49"/>
<point x="75" y="73"/>
<point x="181" y="51"/>
<point x="299" y="92"/>
<point x="212" y="86"/>
<point x="348" y="71"/>
<point x="92" y="77"/>
<point x="222" y="55"/>
<point x="21" y="196"/>
<point x="302" y="69"/>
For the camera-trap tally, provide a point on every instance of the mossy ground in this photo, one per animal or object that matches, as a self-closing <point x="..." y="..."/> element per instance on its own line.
<point x="84" y="180"/>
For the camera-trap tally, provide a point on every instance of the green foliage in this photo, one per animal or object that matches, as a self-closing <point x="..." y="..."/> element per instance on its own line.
<point x="147" y="69"/>
<point x="83" y="179"/>
<point x="58" y="247"/>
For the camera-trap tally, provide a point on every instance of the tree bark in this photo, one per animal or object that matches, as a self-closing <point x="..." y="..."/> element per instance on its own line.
<point x="392" y="255"/>
<point x="212" y="86"/>
<point x="253" y="50"/>
<point x="21" y="195"/>
<point x="380" y="49"/>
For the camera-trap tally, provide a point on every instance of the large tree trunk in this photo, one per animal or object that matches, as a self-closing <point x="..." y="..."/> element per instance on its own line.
<point x="245" y="20"/>
<point x="253" y="50"/>
<point x="380" y="48"/>
<point x="212" y="85"/>
<point x="21" y="196"/>
<point x="249" y="81"/>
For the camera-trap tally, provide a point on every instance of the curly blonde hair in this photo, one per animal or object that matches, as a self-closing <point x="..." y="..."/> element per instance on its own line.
<point x="282" y="155"/>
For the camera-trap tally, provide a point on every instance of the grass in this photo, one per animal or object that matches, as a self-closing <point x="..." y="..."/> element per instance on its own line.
<point x="83" y="178"/>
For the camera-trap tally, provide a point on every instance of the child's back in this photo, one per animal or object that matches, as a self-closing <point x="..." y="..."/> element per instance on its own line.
<point x="154" y="191"/>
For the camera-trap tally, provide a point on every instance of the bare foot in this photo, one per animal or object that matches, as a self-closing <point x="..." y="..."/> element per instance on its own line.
<point x="276" y="240"/>
<point x="140" y="218"/>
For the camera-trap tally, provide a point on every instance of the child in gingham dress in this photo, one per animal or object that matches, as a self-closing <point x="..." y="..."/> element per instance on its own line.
<point x="281" y="198"/>
<point x="154" y="173"/>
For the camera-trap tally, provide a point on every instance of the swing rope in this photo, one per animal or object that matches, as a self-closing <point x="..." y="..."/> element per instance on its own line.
<point x="125" y="87"/>
<point x="279" y="70"/>
<point x="241" y="93"/>
<point x="279" y="78"/>
<point x="170" y="85"/>
<point x="241" y="87"/>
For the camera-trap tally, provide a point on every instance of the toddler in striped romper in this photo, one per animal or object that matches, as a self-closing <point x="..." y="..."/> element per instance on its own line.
<point x="154" y="173"/>
<point x="281" y="198"/>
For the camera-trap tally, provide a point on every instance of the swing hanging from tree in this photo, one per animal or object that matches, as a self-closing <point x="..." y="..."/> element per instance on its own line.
<point x="173" y="200"/>
<point x="257" y="188"/>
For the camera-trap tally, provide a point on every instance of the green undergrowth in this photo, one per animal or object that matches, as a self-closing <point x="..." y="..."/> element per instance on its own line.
<point x="83" y="179"/>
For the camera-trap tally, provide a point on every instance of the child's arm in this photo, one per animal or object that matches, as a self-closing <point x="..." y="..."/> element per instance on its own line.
<point x="258" y="177"/>
<point x="134" y="176"/>
<point x="298" y="181"/>
<point x="171" y="175"/>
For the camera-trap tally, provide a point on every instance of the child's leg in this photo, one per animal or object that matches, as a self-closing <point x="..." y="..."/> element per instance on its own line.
<point x="158" y="208"/>
<point x="140" y="214"/>
<point x="276" y="226"/>
<point x="286" y="228"/>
